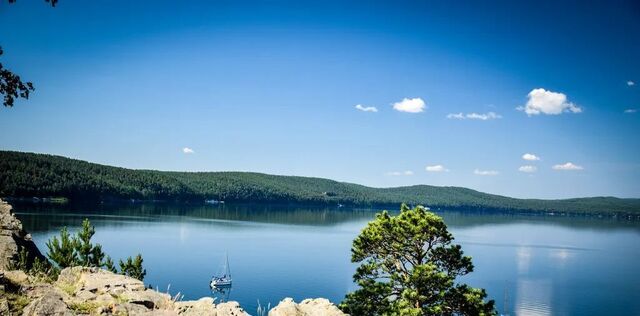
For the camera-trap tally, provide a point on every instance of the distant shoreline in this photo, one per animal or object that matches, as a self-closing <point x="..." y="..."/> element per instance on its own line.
<point x="375" y="208"/>
<point x="60" y="179"/>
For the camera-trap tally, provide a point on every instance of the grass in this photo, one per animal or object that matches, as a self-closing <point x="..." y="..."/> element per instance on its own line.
<point x="85" y="307"/>
<point x="67" y="288"/>
<point x="16" y="302"/>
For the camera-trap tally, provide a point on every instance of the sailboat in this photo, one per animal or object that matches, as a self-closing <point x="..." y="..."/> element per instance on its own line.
<point x="225" y="279"/>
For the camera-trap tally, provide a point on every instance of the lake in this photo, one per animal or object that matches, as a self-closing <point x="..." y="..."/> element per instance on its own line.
<point x="529" y="264"/>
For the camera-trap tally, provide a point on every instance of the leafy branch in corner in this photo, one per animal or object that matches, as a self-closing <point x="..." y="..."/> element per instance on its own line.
<point x="11" y="86"/>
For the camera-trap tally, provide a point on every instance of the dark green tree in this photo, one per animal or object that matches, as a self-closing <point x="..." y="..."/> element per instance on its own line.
<point x="409" y="266"/>
<point x="62" y="251"/>
<point x="12" y="87"/>
<point x="133" y="267"/>
<point x="89" y="255"/>
<point x="109" y="265"/>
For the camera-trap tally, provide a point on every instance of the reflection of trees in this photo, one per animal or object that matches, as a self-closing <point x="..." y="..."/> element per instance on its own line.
<point x="52" y="216"/>
<point x="46" y="217"/>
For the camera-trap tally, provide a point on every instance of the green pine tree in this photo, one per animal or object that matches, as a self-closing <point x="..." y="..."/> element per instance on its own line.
<point x="63" y="251"/>
<point x="133" y="267"/>
<point x="109" y="265"/>
<point x="409" y="266"/>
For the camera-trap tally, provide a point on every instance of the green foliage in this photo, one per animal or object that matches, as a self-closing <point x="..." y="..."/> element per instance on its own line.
<point x="22" y="262"/>
<point x="39" y="268"/>
<point x="109" y="265"/>
<point x="62" y="251"/>
<point x="12" y="87"/>
<point x="89" y="255"/>
<point x="409" y="266"/>
<point x="16" y="302"/>
<point x="28" y="175"/>
<point x="68" y="251"/>
<point x="133" y="267"/>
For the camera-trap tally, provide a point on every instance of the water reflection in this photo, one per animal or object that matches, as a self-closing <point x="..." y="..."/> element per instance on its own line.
<point x="523" y="259"/>
<point x="124" y="213"/>
<point x="221" y="294"/>
<point x="533" y="298"/>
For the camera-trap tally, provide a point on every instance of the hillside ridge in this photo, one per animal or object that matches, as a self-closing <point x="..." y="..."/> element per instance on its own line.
<point x="26" y="175"/>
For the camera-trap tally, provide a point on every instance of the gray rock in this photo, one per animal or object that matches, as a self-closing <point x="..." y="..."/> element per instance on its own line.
<point x="308" y="307"/>
<point x="127" y="309"/>
<point x="318" y="307"/>
<point x="4" y="306"/>
<point x="230" y="309"/>
<point x="98" y="281"/>
<point x="13" y="238"/>
<point x="201" y="307"/>
<point x="50" y="304"/>
<point x="286" y="307"/>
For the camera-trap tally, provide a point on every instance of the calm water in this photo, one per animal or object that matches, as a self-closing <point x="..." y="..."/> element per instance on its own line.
<point x="531" y="265"/>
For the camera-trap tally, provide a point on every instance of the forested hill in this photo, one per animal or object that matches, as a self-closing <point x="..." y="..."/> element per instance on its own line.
<point x="40" y="175"/>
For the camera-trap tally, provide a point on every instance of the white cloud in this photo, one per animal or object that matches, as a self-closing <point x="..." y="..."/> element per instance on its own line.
<point x="567" y="166"/>
<point x="436" y="168"/>
<point x="415" y="105"/>
<point x="630" y="111"/>
<point x="485" y="172"/>
<point x="542" y="101"/>
<point x="530" y="157"/>
<point x="400" y="173"/>
<point x="474" y="116"/>
<point x="366" y="108"/>
<point x="630" y="83"/>
<point x="528" y="169"/>
<point x="187" y="150"/>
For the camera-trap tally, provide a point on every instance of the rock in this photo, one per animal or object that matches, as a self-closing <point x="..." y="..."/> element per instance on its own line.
<point x="51" y="304"/>
<point x="308" y="307"/>
<point x="128" y="309"/>
<point x="4" y="306"/>
<point x="286" y="307"/>
<point x="319" y="306"/>
<point x="148" y="298"/>
<point x="97" y="281"/>
<point x="201" y="307"/>
<point x="115" y="292"/>
<point x="16" y="278"/>
<point x="230" y="309"/>
<point x="13" y="238"/>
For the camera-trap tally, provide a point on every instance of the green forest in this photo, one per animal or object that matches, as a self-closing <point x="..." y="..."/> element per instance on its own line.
<point x="27" y="175"/>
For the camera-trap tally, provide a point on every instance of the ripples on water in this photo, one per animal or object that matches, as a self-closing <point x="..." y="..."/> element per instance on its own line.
<point x="529" y="264"/>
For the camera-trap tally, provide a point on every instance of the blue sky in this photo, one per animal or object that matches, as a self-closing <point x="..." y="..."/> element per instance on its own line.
<point x="273" y="87"/>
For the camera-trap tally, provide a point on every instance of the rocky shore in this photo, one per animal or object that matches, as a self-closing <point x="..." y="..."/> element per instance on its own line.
<point x="93" y="291"/>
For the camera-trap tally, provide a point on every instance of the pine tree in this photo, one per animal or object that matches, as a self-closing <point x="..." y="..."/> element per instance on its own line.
<point x="133" y="267"/>
<point x="63" y="251"/>
<point x="409" y="266"/>
<point x="109" y="265"/>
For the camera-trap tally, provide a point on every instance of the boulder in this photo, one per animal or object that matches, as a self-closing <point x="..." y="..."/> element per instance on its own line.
<point x="16" y="278"/>
<point x="308" y="307"/>
<point x="13" y="239"/>
<point x="50" y="304"/>
<point x="230" y="309"/>
<point x="319" y="306"/>
<point x="97" y="281"/>
<point x="201" y="307"/>
<point x="286" y="307"/>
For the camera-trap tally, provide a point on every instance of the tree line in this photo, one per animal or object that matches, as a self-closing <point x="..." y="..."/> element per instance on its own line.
<point x="26" y="175"/>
